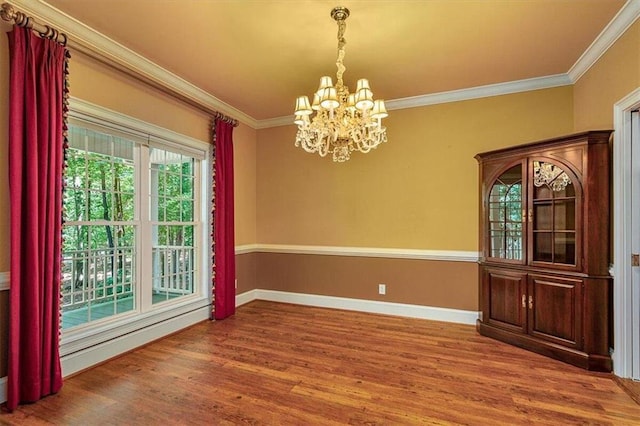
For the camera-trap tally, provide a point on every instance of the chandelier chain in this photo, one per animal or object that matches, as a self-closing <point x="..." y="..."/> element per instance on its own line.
<point x="341" y="43"/>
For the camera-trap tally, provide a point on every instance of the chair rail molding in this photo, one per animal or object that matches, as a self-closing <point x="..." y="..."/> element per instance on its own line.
<point x="3" y="390"/>
<point x="393" y="253"/>
<point x="5" y="280"/>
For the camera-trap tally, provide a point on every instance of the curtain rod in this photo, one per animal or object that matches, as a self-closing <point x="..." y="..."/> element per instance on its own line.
<point x="220" y="116"/>
<point x="9" y="14"/>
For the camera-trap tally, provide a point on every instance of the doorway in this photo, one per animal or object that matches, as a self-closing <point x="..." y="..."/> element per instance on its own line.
<point x="626" y="236"/>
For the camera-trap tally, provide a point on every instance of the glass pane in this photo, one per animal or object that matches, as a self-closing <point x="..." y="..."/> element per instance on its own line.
<point x="497" y="244"/>
<point x="568" y="191"/>
<point x="173" y="256"/>
<point x="173" y="251"/>
<point x="187" y="186"/>
<point x="124" y="204"/>
<point x="505" y="215"/>
<point x="542" y="192"/>
<point x="565" y="247"/>
<point x="74" y="205"/>
<point x="98" y="272"/>
<point x="565" y="215"/>
<point x="513" y="241"/>
<point x="542" y="216"/>
<point x="98" y="260"/>
<point x="542" y="246"/>
<point x="187" y="211"/>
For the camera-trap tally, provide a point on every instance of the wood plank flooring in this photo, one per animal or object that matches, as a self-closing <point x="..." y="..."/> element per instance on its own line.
<point x="294" y="365"/>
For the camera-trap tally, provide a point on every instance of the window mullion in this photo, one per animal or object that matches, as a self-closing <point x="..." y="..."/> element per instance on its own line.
<point x="144" y="244"/>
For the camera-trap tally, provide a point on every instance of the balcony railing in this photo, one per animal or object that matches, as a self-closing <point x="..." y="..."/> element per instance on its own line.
<point x="173" y="268"/>
<point x="107" y="276"/>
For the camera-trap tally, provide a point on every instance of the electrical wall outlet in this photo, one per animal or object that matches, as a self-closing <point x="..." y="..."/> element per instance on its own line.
<point x="382" y="289"/>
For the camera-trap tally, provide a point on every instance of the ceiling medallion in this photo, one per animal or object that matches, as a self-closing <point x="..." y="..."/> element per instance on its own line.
<point x="343" y="122"/>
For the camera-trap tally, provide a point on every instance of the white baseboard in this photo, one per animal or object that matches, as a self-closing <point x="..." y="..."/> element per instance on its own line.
<point x="79" y="361"/>
<point x="246" y="297"/>
<point x="371" y="306"/>
<point x="3" y="390"/>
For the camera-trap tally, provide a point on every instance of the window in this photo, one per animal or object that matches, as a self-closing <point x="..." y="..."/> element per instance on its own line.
<point x="99" y="234"/>
<point x="173" y="224"/>
<point x="134" y="235"/>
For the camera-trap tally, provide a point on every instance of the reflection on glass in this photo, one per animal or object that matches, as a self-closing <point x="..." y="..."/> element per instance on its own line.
<point x="565" y="214"/>
<point x="565" y="247"/>
<point x="505" y="215"/>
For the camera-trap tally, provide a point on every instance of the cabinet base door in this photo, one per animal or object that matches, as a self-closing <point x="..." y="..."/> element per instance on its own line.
<point x="554" y="310"/>
<point x="504" y="298"/>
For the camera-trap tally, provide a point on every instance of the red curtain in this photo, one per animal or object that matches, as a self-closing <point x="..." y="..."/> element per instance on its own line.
<point x="36" y="150"/>
<point x="224" y="269"/>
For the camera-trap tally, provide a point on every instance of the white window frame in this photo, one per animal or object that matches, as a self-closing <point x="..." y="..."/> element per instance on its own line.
<point x="84" y="346"/>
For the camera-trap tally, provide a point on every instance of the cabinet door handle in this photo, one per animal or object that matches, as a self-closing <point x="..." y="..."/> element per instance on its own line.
<point x="524" y="301"/>
<point x="530" y="302"/>
<point x="524" y="215"/>
<point x="530" y="215"/>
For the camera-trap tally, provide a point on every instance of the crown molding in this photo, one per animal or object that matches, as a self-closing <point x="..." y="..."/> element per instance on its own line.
<point x="83" y="38"/>
<point x="480" y="92"/>
<point x="286" y="120"/>
<point x="454" y="95"/>
<point x="612" y="32"/>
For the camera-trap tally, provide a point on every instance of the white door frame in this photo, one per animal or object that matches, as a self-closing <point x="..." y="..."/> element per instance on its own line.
<point x="622" y="242"/>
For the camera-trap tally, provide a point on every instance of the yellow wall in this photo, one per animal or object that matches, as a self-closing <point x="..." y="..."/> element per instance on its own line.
<point x="244" y="165"/>
<point x="101" y="85"/>
<point x="418" y="191"/>
<point x="616" y="74"/>
<point x="94" y="82"/>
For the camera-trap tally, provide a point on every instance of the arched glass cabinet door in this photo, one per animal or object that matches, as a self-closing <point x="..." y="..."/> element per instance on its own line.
<point x="553" y="214"/>
<point x="505" y="211"/>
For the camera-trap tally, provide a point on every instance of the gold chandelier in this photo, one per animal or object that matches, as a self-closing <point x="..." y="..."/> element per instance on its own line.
<point x="343" y="121"/>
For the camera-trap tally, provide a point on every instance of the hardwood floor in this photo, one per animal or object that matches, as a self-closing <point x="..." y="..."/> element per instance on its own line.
<point x="286" y="364"/>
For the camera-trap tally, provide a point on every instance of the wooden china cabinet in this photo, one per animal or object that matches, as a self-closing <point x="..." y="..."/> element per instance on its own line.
<point x="544" y="237"/>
